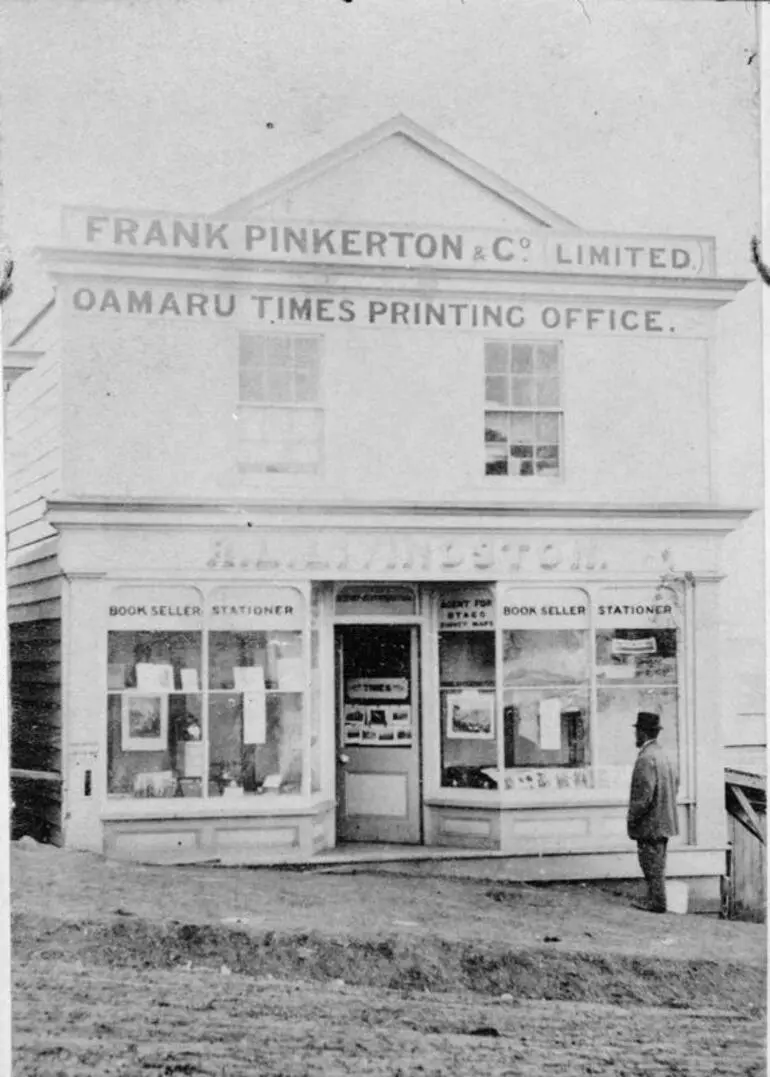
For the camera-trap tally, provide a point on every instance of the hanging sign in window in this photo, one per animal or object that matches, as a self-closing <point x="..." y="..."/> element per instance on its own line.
<point x="620" y="647"/>
<point x="465" y="609"/>
<point x="544" y="608"/>
<point x="382" y="688"/>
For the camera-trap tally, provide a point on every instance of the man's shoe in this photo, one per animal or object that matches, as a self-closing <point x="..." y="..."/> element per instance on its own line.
<point x="645" y="906"/>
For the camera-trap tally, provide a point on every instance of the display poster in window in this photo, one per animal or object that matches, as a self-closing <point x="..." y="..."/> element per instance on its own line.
<point x="155" y="608"/>
<point x="280" y="609"/>
<point x="544" y="608"/>
<point x="154" y="677"/>
<point x="549" y="725"/>
<point x="144" y="722"/>
<point x="254" y="716"/>
<point x="381" y="724"/>
<point x="190" y="681"/>
<point x="381" y="688"/>
<point x="466" y="609"/>
<point x="470" y="715"/>
<point x="249" y="678"/>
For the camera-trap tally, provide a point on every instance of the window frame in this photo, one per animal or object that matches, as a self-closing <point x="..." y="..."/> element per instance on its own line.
<point x="491" y="408"/>
<point x="118" y="805"/>
<point x="253" y="469"/>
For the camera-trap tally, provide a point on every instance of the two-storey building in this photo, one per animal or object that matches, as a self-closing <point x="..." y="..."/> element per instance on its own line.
<point x="372" y="508"/>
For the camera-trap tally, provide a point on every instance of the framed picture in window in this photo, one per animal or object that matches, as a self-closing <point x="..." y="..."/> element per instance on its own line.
<point x="144" y="722"/>
<point x="470" y="715"/>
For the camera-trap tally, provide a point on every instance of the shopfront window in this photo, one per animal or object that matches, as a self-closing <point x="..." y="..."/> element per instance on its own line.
<point x="256" y="686"/>
<point x="467" y="689"/>
<point x="154" y="701"/>
<point x="235" y="728"/>
<point x="637" y="668"/>
<point x="546" y="679"/>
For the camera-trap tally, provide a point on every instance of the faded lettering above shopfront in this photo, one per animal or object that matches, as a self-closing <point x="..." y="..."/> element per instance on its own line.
<point x="386" y="245"/>
<point x="258" y="309"/>
<point x="329" y="555"/>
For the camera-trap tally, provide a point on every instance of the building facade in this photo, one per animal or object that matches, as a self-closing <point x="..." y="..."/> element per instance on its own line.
<point x="372" y="509"/>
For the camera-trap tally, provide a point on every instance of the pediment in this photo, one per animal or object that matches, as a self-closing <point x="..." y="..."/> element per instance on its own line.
<point x="397" y="173"/>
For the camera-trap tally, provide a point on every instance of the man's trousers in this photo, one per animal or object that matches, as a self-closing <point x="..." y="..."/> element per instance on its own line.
<point x="652" y="859"/>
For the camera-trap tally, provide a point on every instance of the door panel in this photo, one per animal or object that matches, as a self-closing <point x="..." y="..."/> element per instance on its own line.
<point x="378" y="733"/>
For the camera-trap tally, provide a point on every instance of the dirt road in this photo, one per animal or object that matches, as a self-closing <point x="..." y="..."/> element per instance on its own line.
<point x="102" y="1021"/>
<point x="130" y="970"/>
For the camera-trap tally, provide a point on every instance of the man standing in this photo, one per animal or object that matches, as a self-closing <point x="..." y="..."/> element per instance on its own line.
<point x="652" y="815"/>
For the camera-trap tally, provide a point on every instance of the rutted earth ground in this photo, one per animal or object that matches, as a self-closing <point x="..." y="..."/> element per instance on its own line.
<point x="130" y="969"/>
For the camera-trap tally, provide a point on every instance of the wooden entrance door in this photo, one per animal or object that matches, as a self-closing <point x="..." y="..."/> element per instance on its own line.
<point x="378" y="733"/>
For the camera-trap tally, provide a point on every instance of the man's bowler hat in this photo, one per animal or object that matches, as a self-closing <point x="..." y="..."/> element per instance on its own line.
<point x="648" y="723"/>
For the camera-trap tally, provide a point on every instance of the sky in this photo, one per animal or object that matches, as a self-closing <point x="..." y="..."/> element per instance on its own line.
<point x="622" y="115"/>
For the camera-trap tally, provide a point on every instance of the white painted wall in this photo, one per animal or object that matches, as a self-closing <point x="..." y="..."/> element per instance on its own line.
<point x="149" y="412"/>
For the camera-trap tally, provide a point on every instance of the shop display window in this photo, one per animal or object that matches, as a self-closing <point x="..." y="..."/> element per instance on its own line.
<point x="468" y="709"/>
<point x="636" y="669"/>
<point x="154" y="713"/>
<point x="206" y="711"/>
<point x="546" y="698"/>
<point x="256" y="687"/>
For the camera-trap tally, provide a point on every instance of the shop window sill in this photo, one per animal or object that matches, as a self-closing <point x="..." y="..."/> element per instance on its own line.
<point x="214" y="807"/>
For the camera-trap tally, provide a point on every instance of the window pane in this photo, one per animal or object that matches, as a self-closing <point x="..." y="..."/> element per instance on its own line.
<point x="278" y="349"/>
<point x="306" y="349"/>
<point x="496" y="463"/>
<point x="496" y="426"/>
<point x="542" y="656"/>
<point x="547" y="428"/>
<point x="547" y="360"/>
<point x="521" y="358"/>
<point x="251" y="383"/>
<point x="237" y="764"/>
<point x="278" y="390"/>
<point x="548" y="392"/>
<point x="496" y="358"/>
<point x="497" y="390"/>
<point x="525" y="467"/>
<point x="131" y="654"/>
<point x="547" y="461"/>
<point x="252" y="348"/>
<point x="280" y="439"/>
<point x="616" y="714"/>
<point x="546" y="727"/>
<point x="306" y="383"/>
<point x="522" y="429"/>
<point x="467" y="690"/>
<point x="637" y="655"/>
<point x="522" y="392"/>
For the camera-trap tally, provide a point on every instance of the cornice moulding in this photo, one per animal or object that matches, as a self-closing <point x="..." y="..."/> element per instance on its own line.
<point x="465" y="517"/>
<point x="176" y="270"/>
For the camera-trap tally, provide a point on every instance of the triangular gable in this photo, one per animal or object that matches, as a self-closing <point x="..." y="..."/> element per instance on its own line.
<point x="397" y="172"/>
